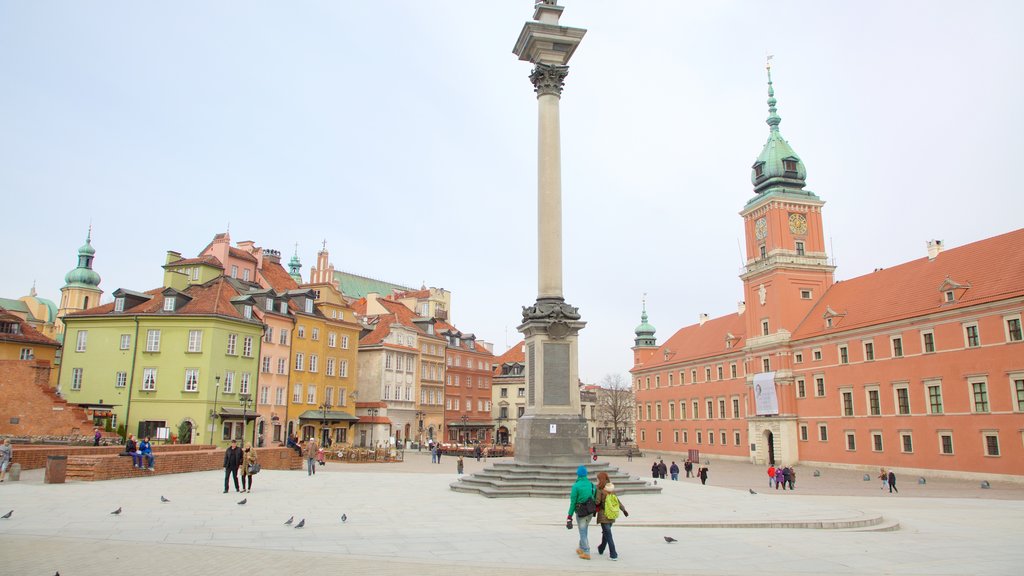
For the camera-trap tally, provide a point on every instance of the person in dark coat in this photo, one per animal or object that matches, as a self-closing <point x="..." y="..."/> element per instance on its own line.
<point x="674" y="470"/>
<point x="688" y="466"/>
<point x="662" y="469"/>
<point x="655" y="470"/>
<point x="892" y="482"/>
<point x="232" y="460"/>
<point x="703" y="473"/>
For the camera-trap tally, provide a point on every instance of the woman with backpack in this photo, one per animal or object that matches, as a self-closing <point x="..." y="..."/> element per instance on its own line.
<point x="608" y="509"/>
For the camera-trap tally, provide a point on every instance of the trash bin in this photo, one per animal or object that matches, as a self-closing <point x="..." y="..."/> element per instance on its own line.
<point x="56" y="469"/>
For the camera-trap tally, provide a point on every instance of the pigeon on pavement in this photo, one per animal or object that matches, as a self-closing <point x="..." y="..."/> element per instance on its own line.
<point x="243" y="501"/>
<point x="301" y="523"/>
<point x="289" y="521"/>
<point x="116" y="512"/>
<point x="751" y="491"/>
<point x="162" y="499"/>
<point x="8" y="515"/>
<point x="344" y="518"/>
<point x="670" y="539"/>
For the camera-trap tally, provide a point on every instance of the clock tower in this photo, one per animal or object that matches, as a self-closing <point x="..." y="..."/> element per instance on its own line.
<point x="786" y="268"/>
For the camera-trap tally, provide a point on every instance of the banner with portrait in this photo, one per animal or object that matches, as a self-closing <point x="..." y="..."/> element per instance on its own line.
<point x="766" y="402"/>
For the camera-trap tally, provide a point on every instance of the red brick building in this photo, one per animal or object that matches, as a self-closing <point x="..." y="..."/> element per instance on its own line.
<point x="467" y="391"/>
<point x="917" y="367"/>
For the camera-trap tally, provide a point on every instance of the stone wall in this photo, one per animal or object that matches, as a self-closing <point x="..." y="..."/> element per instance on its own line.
<point x="114" y="466"/>
<point x="34" y="456"/>
<point x="30" y="407"/>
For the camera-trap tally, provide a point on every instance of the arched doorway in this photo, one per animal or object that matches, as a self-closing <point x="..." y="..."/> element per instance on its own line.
<point x="503" y="436"/>
<point x="770" y="440"/>
<point x="185" y="432"/>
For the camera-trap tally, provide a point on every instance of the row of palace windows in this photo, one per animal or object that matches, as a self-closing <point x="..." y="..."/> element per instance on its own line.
<point x="977" y="388"/>
<point x="312" y="366"/>
<point x="455" y="404"/>
<point x="653" y="410"/>
<point x="190" y="384"/>
<point x="194" y="343"/>
<point x="1012" y="332"/>
<point x="989" y="438"/>
<point x="314" y="334"/>
<point x="683" y="437"/>
<point x="719" y="372"/>
<point x="482" y="382"/>
<point x="311" y="395"/>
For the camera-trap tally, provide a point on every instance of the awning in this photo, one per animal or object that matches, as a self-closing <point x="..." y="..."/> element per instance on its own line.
<point x="330" y="416"/>
<point x="471" y="424"/>
<point x="234" y="413"/>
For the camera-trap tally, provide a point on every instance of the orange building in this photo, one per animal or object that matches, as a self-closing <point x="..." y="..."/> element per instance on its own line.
<point x="918" y="367"/>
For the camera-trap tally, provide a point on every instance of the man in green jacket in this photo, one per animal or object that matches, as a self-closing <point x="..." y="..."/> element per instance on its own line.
<point x="582" y="490"/>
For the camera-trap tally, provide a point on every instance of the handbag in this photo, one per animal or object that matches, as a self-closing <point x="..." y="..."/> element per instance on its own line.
<point x="254" y="468"/>
<point x="588" y="507"/>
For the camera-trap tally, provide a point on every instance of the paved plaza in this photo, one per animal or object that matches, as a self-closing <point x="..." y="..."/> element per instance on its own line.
<point x="404" y="519"/>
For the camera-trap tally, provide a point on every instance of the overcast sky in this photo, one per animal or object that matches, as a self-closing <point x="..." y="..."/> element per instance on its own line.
<point x="404" y="134"/>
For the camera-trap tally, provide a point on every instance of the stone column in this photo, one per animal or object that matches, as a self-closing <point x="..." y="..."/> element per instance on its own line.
<point x="552" y="430"/>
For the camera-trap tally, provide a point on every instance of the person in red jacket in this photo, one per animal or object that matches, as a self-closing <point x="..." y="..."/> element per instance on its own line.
<point x="771" y="475"/>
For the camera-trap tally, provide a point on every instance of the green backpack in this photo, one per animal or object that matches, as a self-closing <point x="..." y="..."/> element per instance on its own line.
<point x="611" y="506"/>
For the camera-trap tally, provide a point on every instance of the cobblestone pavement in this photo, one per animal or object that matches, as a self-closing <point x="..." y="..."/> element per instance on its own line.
<point x="404" y="519"/>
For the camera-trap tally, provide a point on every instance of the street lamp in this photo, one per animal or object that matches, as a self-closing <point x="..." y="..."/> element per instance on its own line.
<point x="419" y="438"/>
<point x="213" y="413"/>
<point x="465" y="419"/>
<point x="324" y="431"/>
<point x="245" y="400"/>
<point x="373" y="414"/>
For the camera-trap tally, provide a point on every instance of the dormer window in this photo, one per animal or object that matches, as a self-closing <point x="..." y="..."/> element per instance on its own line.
<point x="759" y="170"/>
<point x="309" y="306"/>
<point x="247" y="311"/>
<point x="169" y="303"/>
<point x="789" y="165"/>
<point x="119" y="304"/>
<point x="283" y="309"/>
<point x="950" y="296"/>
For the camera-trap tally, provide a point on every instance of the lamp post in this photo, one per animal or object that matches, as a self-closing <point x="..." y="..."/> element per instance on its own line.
<point x="213" y="413"/>
<point x="324" y="432"/>
<point x="420" y="415"/>
<point x="465" y="419"/>
<point x="372" y="412"/>
<point x="246" y="402"/>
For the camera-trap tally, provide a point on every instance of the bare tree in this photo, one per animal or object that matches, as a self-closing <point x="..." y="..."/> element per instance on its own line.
<point x="616" y="405"/>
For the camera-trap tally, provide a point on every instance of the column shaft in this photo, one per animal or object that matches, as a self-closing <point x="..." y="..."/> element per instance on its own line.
<point x="549" y="199"/>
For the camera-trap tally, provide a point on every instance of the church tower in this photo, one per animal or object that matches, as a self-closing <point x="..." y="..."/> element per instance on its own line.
<point x="81" y="286"/>
<point x="787" y="268"/>
<point x="295" y="266"/>
<point x="645" y="343"/>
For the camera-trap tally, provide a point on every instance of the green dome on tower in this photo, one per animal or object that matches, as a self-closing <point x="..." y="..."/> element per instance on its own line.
<point x="83" y="275"/>
<point x="295" y="266"/>
<point x="645" y="331"/>
<point x="778" y="165"/>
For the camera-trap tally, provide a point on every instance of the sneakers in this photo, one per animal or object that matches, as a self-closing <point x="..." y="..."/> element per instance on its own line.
<point x="600" y="551"/>
<point x="579" y="551"/>
<point x="616" y="559"/>
<point x="151" y="469"/>
<point x="584" y="556"/>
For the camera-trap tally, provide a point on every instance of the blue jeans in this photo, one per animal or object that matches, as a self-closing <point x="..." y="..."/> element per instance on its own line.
<point x="675" y="475"/>
<point x="607" y="541"/>
<point x="149" y="460"/>
<point x="310" y="466"/>
<point x="136" y="459"/>
<point x="584" y="523"/>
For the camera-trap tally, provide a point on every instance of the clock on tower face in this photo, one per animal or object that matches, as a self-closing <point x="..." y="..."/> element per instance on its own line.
<point x="761" y="228"/>
<point x="798" y="224"/>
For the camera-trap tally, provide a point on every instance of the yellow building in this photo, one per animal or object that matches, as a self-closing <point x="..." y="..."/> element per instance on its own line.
<point x="20" y="341"/>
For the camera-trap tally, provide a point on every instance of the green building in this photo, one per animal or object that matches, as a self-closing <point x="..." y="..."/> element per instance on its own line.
<point x="175" y="361"/>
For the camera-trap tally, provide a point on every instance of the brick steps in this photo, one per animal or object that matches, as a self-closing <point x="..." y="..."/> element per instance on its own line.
<point x="518" y="480"/>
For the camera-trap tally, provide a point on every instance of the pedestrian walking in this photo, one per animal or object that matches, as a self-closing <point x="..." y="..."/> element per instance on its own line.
<point x="96" y="435"/>
<point x="674" y="470"/>
<point x="629" y="454"/>
<point x="247" y="466"/>
<point x="787" y="477"/>
<point x="655" y="470"/>
<point x="703" y="473"/>
<point x="771" y="475"/>
<point x="582" y="492"/>
<point x="792" y="477"/>
<point x="780" y="478"/>
<point x="310" y="454"/>
<point x="688" y="466"/>
<point x="884" y="477"/>
<point x="459" y="465"/>
<point x="892" y="482"/>
<point x="662" y="470"/>
<point x="232" y="460"/>
<point x="609" y="506"/>
<point x="6" y="455"/>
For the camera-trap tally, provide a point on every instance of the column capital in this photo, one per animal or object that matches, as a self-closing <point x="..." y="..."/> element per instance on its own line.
<point x="548" y="79"/>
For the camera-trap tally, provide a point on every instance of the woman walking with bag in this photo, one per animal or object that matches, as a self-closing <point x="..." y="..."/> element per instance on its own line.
<point x="582" y="502"/>
<point x="250" y="466"/>
<point x="608" y="508"/>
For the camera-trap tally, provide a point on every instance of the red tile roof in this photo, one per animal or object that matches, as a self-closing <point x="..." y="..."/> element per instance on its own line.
<point x="277" y="277"/>
<point x="994" y="269"/>
<point x="695" y="342"/>
<point x="214" y="297"/>
<point x="241" y="254"/>
<point x="513" y="354"/>
<point x="26" y="333"/>
<point x="207" y="259"/>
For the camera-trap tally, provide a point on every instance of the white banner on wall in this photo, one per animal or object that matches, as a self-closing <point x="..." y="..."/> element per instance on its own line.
<point x="765" y="399"/>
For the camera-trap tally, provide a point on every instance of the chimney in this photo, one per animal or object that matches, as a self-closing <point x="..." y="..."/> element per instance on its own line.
<point x="741" y="307"/>
<point x="703" y="318"/>
<point x="934" y="247"/>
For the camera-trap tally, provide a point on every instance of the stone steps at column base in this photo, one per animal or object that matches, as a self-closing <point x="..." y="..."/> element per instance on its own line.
<point x="518" y="480"/>
<point x="862" y="524"/>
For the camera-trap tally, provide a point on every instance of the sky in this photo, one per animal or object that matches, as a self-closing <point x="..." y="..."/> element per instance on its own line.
<point x="403" y="133"/>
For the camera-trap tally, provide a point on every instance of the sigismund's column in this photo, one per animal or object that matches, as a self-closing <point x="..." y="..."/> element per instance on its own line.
<point x="552" y="430"/>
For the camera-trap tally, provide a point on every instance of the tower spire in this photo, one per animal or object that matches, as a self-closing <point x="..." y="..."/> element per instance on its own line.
<point x="773" y="118"/>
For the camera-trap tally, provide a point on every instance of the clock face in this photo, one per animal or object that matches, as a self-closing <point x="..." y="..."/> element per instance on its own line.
<point x="761" y="228"/>
<point x="798" y="224"/>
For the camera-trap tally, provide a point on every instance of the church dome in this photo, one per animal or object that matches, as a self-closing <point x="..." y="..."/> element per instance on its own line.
<point x="83" y="274"/>
<point x="645" y="331"/>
